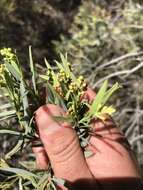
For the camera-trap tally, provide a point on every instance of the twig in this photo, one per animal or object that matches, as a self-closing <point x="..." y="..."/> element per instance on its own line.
<point x="121" y="58"/>
<point x="140" y="137"/>
<point x="134" y="69"/>
<point x="130" y="128"/>
<point x="127" y="72"/>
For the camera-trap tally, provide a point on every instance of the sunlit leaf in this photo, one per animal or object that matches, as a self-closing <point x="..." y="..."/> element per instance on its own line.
<point x="97" y="103"/>
<point x="14" y="150"/>
<point x="65" y="64"/>
<point x="23" y="93"/>
<point x="110" y="92"/>
<point x="45" y="77"/>
<point x="32" y="70"/>
<point x="10" y="132"/>
<point x="42" y="182"/>
<point x="7" y="113"/>
<point x="24" y="174"/>
<point x="5" y="106"/>
<point x="13" y="69"/>
<point x="20" y="184"/>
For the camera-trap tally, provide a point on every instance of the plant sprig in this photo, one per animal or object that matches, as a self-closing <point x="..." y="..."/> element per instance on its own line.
<point x="23" y="98"/>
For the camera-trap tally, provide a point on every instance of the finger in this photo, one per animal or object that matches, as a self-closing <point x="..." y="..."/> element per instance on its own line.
<point x="113" y="156"/>
<point x="42" y="161"/>
<point x="61" y="145"/>
<point x="89" y="95"/>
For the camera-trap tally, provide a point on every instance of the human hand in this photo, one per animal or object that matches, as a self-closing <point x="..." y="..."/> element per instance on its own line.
<point x="112" y="166"/>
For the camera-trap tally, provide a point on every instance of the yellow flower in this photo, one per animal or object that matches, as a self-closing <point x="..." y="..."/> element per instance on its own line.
<point x="108" y="110"/>
<point x="7" y="54"/>
<point x="105" y="112"/>
<point x="73" y="87"/>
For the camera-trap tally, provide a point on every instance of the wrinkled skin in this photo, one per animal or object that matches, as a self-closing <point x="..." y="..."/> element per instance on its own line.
<point x="112" y="166"/>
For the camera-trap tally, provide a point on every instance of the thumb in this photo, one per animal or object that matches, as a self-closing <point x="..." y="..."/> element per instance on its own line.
<point x="61" y="145"/>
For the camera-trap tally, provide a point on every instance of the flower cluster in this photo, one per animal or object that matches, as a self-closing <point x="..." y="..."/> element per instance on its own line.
<point x="73" y="86"/>
<point x="67" y="85"/>
<point x="82" y="83"/>
<point x="63" y="77"/>
<point x="7" y="54"/>
<point x="68" y="88"/>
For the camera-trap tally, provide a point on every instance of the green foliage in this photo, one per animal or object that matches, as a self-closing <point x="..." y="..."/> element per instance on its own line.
<point x="17" y="89"/>
<point x="98" y="107"/>
<point x="63" y="89"/>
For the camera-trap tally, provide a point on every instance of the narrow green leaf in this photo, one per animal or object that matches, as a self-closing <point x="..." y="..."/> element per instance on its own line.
<point x="111" y="91"/>
<point x="8" y="183"/>
<point x="66" y="67"/>
<point x="29" y="128"/>
<point x="5" y="106"/>
<point x="12" y="68"/>
<point x="7" y="113"/>
<point x="47" y="64"/>
<point x="56" y="97"/>
<point x="59" y="65"/>
<point x="98" y="99"/>
<point x="45" y="77"/>
<point x="53" y="186"/>
<point x="42" y="182"/>
<point x="11" y="132"/>
<point x="32" y="70"/>
<point x="8" y="117"/>
<point x="20" y="184"/>
<point x="14" y="150"/>
<point x="65" y="63"/>
<point x="9" y="84"/>
<point x="23" y="93"/>
<point x="24" y="174"/>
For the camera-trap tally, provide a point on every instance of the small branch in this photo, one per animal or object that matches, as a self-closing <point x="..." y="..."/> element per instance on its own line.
<point x="140" y="137"/>
<point x="130" y="128"/>
<point x="121" y="58"/>
<point x="110" y="76"/>
<point x="135" y="69"/>
<point x="127" y="72"/>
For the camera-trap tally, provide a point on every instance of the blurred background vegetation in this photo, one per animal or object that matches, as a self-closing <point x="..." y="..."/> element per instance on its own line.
<point x="103" y="39"/>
